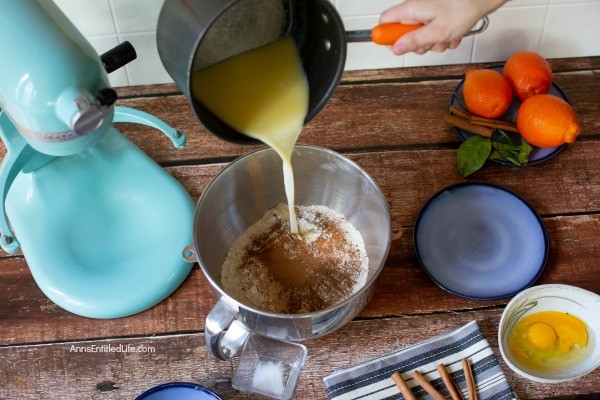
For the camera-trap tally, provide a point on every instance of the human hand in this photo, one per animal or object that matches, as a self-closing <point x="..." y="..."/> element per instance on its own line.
<point x="446" y="22"/>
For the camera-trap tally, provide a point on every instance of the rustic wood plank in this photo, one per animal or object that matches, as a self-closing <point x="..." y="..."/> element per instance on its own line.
<point x="403" y="288"/>
<point x="406" y="130"/>
<point x="407" y="179"/>
<point x="55" y="372"/>
<point x="558" y="65"/>
<point x="124" y="92"/>
<point x="389" y="74"/>
<point x="28" y="316"/>
<point x="367" y="116"/>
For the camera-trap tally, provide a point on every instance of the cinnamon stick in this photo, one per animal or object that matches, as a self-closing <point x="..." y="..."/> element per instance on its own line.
<point x="404" y="389"/>
<point x="460" y="112"/>
<point x="493" y="123"/>
<point x="427" y="386"/>
<point x="467" y="126"/>
<point x="477" y="120"/>
<point x="454" y="393"/>
<point x="469" y="377"/>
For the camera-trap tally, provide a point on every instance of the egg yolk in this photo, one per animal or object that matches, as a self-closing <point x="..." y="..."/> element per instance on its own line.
<point x="549" y="341"/>
<point x="541" y="335"/>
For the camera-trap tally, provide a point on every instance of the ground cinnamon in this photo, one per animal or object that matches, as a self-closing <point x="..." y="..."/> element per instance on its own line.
<point x="272" y="269"/>
<point x="308" y="270"/>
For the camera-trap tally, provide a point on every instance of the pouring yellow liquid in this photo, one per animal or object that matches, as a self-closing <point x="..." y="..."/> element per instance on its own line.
<point x="262" y="93"/>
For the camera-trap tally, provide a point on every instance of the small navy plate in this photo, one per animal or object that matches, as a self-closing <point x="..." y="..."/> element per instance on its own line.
<point x="481" y="241"/>
<point x="537" y="155"/>
<point x="178" y="391"/>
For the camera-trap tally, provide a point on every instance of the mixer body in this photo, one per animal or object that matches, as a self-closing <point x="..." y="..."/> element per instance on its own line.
<point x="100" y="224"/>
<point x="102" y="230"/>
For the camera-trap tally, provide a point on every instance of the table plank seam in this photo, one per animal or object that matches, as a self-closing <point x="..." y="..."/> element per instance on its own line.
<point x="166" y="335"/>
<point x="492" y="307"/>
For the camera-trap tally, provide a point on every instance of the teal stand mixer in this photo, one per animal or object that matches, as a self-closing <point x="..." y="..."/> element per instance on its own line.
<point x="100" y="224"/>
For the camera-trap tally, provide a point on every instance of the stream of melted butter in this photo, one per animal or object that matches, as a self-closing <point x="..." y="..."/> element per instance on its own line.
<point x="262" y="93"/>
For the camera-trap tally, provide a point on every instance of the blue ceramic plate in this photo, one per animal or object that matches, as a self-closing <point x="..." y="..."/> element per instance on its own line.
<point x="538" y="155"/>
<point x="480" y="241"/>
<point x="178" y="391"/>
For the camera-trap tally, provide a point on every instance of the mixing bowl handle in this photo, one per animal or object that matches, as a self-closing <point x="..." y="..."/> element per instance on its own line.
<point x="223" y="333"/>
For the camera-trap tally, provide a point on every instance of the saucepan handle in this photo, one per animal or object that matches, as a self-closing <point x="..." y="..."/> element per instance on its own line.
<point x="387" y="34"/>
<point x="223" y="333"/>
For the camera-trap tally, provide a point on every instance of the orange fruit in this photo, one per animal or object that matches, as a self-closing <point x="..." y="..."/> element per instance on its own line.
<point x="545" y="120"/>
<point x="486" y="92"/>
<point x="528" y="73"/>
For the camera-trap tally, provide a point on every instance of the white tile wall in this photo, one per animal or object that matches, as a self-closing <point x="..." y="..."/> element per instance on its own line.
<point x="555" y="28"/>
<point x="92" y="17"/>
<point x="136" y="15"/>
<point x="511" y="30"/>
<point x="571" y="28"/>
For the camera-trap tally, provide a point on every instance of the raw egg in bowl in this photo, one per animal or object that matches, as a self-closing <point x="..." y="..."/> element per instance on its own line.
<point x="550" y="333"/>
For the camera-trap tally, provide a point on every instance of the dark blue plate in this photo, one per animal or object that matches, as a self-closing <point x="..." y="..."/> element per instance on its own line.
<point x="481" y="241"/>
<point x="178" y="391"/>
<point x="538" y="155"/>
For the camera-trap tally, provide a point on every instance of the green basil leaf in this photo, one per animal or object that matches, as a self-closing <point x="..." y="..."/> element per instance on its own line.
<point x="472" y="154"/>
<point x="524" y="151"/>
<point x="505" y="137"/>
<point x="511" y="159"/>
<point x="511" y="156"/>
<point x="504" y="146"/>
<point x="506" y="155"/>
<point x="495" y="155"/>
<point x="510" y="137"/>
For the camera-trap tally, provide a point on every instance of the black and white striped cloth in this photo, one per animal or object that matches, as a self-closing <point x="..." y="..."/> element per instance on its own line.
<point x="372" y="379"/>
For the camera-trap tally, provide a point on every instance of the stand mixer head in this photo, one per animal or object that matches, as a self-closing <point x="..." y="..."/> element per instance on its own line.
<point x="54" y="87"/>
<point x="54" y="91"/>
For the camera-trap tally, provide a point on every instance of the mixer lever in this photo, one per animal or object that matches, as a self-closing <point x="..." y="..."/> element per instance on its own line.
<point x="118" y="56"/>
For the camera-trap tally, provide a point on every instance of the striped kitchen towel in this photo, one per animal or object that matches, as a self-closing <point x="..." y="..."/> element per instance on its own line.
<point x="372" y="379"/>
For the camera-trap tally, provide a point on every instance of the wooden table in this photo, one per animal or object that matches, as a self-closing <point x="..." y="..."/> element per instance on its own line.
<point x="390" y="123"/>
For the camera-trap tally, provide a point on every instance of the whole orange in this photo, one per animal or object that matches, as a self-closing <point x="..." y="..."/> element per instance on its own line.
<point x="545" y="120"/>
<point x="486" y="92"/>
<point x="528" y="73"/>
